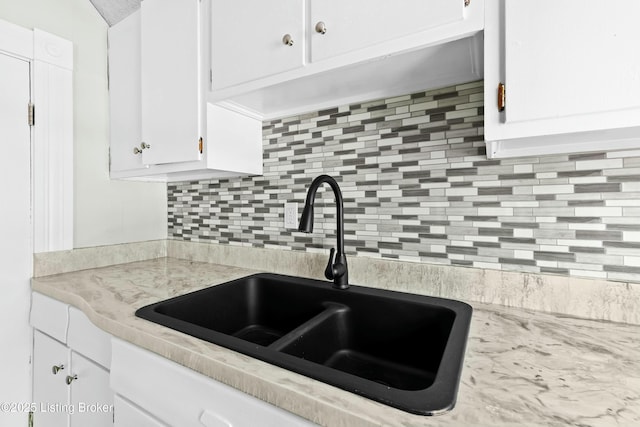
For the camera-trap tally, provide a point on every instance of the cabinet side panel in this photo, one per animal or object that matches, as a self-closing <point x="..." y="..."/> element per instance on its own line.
<point x="234" y="141"/>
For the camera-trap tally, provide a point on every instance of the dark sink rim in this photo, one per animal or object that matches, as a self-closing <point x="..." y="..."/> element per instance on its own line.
<point x="436" y="399"/>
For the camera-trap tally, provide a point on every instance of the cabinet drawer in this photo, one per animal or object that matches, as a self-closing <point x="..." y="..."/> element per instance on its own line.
<point x="87" y="339"/>
<point x="50" y="316"/>
<point x="182" y="397"/>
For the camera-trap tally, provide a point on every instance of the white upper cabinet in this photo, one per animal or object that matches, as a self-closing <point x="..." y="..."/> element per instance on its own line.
<point x="248" y="39"/>
<point x="162" y="128"/>
<point x="170" y="84"/>
<point x="284" y="57"/>
<point x="338" y="27"/>
<point x="571" y="76"/>
<point x="125" y="98"/>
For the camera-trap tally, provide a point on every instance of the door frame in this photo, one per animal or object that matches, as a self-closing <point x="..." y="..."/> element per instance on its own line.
<point x="51" y="59"/>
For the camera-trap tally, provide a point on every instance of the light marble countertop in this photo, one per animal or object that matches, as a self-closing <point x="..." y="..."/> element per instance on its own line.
<point x="521" y="367"/>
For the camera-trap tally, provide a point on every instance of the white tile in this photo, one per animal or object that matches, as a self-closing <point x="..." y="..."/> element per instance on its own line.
<point x="599" y="164"/>
<point x="495" y="211"/>
<point x="522" y="168"/>
<point x="631" y="236"/>
<point x="523" y="233"/>
<point x="598" y="211"/>
<point x="552" y="189"/>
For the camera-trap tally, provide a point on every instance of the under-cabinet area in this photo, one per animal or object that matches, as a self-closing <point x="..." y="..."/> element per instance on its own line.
<point x="530" y="351"/>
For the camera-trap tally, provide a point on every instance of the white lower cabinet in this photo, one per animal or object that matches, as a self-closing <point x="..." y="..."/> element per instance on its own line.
<point x="70" y="384"/>
<point x="128" y="414"/>
<point x="50" y="391"/>
<point x="83" y="376"/>
<point x="90" y="395"/>
<point x="179" y="396"/>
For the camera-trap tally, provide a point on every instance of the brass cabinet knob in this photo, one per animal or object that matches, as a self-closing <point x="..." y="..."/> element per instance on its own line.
<point x="57" y="368"/>
<point x="71" y="379"/>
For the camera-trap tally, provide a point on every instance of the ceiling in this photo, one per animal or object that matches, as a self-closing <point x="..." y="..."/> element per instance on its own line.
<point x="113" y="11"/>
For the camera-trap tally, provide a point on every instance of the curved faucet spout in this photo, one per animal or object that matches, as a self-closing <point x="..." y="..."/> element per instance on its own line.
<point x="336" y="268"/>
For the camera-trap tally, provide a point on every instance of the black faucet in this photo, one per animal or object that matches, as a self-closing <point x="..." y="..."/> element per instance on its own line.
<point x="336" y="268"/>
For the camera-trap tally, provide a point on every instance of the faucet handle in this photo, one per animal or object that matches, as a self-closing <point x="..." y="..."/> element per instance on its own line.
<point x="328" y="272"/>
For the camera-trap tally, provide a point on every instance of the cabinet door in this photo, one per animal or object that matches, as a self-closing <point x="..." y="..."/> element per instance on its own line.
<point x="124" y="94"/>
<point x="91" y="397"/>
<point x="571" y="58"/>
<point x="570" y="74"/>
<point x="247" y="39"/>
<point x="358" y="24"/>
<point x="50" y="391"/>
<point x="170" y="80"/>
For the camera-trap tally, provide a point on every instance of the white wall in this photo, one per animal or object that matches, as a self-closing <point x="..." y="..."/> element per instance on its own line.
<point x="105" y="212"/>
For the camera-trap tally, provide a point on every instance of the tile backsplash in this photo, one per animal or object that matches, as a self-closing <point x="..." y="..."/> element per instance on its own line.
<point x="417" y="186"/>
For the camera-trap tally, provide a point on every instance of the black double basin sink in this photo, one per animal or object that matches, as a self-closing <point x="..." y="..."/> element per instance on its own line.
<point x="400" y="349"/>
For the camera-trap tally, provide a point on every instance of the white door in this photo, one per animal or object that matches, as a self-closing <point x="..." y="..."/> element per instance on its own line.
<point x="15" y="235"/>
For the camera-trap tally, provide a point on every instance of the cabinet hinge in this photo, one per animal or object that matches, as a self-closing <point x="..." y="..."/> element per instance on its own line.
<point x="31" y="114"/>
<point x="501" y="97"/>
<point x="200" y="144"/>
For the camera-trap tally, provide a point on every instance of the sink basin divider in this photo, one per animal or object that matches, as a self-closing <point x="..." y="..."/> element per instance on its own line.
<point x="333" y="309"/>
